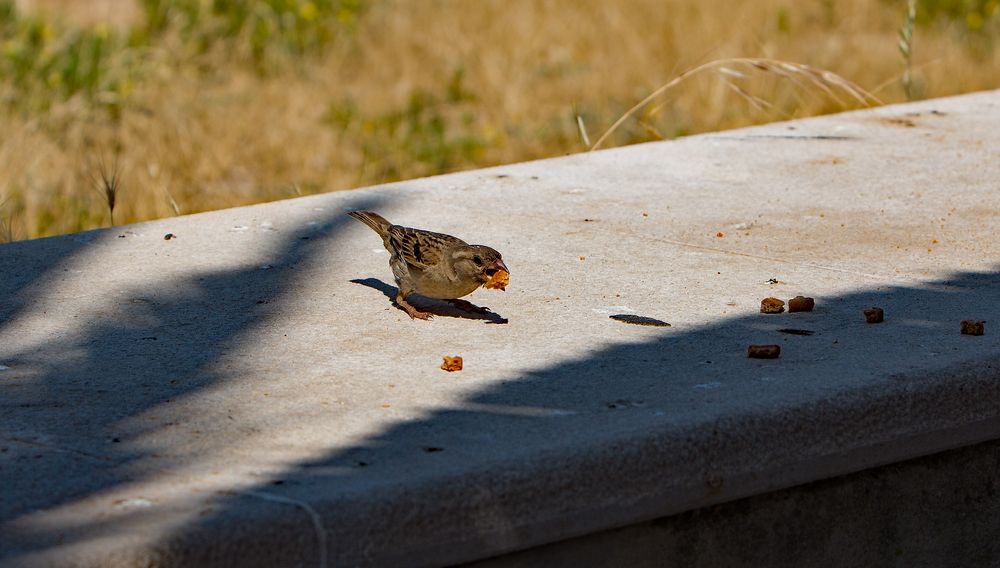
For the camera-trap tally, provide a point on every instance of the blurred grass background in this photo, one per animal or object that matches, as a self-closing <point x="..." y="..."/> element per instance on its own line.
<point x="204" y="104"/>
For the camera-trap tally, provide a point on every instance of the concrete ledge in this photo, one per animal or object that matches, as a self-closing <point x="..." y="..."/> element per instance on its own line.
<point x="939" y="510"/>
<point x="245" y="394"/>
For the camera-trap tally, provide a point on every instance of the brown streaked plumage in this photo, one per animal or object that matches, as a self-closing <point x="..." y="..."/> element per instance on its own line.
<point x="431" y="264"/>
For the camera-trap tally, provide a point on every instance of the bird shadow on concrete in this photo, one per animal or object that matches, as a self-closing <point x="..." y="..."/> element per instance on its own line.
<point x="434" y="307"/>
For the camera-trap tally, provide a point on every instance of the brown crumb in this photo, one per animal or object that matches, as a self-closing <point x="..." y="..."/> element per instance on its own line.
<point x="764" y="351"/>
<point x="973" y="327"/>
<point x="499" y="280"/>
<point x="771" y="306"/>
<point x="720" y="234"/>
<point x="583" y="258"/>
<point x="874" y="315"/>
<point x="801" y="304"/>
<point x="452" y="364"/>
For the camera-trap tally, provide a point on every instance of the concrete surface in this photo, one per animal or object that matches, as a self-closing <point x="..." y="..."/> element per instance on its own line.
<point x="246" y="395"/>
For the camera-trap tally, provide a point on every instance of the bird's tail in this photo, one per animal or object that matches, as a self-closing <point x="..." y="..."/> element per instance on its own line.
<point x="377" y="222"/>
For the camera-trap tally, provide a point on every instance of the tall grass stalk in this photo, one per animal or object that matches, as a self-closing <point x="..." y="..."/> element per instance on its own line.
<point x="110" y="186"/>
<point x="583" y="130"/>
<point x="6" y="226"/>
<point x="827" y="81"/>
<point x="6" y="231"/>
<point x="905" y="42"/>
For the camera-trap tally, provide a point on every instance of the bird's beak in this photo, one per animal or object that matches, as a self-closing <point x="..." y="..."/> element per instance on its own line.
<point x="499" y="265"/>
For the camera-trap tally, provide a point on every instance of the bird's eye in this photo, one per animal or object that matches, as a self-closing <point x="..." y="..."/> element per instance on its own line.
<point x="478" y="260"/>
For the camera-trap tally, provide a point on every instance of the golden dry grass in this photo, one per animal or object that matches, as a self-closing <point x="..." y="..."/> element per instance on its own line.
<point x="119" y="13"/>
<point x="419" y="88"/>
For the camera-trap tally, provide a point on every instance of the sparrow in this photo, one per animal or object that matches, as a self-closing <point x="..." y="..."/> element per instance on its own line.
<point x="433" y="265"/>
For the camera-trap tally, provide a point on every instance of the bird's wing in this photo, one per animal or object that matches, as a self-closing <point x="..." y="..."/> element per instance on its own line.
<point x="421" y="249"/>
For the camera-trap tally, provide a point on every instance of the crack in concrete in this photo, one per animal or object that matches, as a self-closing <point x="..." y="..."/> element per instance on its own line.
<point x="57" y="448"/>
<point x="314" y="517"/>
<point x="776" y="259"/>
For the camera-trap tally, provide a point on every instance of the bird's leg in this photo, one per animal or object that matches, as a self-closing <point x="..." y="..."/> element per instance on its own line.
<point x="414" y="313"/>
<point x="468" y="306"/>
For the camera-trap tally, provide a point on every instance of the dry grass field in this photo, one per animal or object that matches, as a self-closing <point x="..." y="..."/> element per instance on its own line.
<point x="199" y="105"/>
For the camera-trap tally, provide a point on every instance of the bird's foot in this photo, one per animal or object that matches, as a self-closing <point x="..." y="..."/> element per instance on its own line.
<point x="414" y="313"/>
<point x="469" y="306"/>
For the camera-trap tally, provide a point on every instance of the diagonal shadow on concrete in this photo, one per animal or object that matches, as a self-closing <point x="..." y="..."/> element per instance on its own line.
<point x="151" y="351"/>
<point x="630" y="432"/>
<point x="27" y="267"/>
